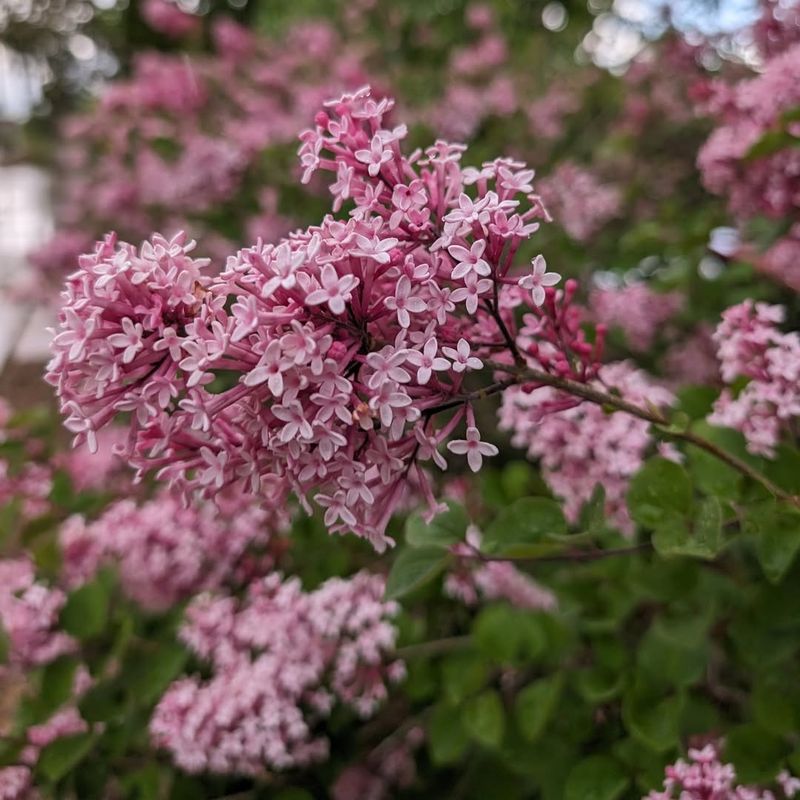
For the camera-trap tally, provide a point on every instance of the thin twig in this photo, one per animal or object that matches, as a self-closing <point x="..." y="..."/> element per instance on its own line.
<point x="435" y="647"/>
<point x="652" y="415"/>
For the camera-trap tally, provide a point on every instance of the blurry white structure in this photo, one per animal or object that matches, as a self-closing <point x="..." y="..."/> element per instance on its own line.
<point x="25" y="223"/>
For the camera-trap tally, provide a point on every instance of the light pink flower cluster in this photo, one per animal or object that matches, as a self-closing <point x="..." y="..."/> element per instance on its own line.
<point x="580" y="203"/>
<point x="781" y="260"/>
<point x="281" y="659"/>
<point x="344" y="343"/>
<point x="101" y="470"/>
<point x="582" y="446"/>
<point x="746" y="112"/>
<point x="751" y="345"/>
<point x="704" y="777"/>
<point x="180" y="144"/>
<point x="166" y="551"/>
<point x="638" y="311"/>
<point x="29" y="613"/>
<point x="472" y="580"/>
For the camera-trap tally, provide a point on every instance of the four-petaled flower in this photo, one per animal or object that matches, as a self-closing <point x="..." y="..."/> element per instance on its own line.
<point x="538" y="279"/>
<point x="473" y="447"/>
<point x="469" y="260"/>
<point x="375" y="157"/>
<point x="427" y="361"/>
<point x="461" y="357"/>
<point x="403" y="302"/>
<point x="335" y="290"/>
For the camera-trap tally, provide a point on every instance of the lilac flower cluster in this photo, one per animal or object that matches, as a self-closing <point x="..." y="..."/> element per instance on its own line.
<point x="581" y="446"/>
<point x="470" y="580"/>
<point x="705" y="777"/>
<point x="204" y="546"/>
<point x="751" y="345"/>
<point x="185" y="135"/>
<point x="580" y="203"/>
<point x="281" y="660"/>
<point x="638" y="311"/>
<point x="29" y="615"/>
<point x="348" y="339"/>
<point x="746" y="112"/>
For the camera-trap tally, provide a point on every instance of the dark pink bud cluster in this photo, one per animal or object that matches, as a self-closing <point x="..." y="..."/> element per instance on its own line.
<point x="351" y="346"/>
<point x="204" y="546"/>
<point x="751" y="345"/>
<point x="281" y="659"/>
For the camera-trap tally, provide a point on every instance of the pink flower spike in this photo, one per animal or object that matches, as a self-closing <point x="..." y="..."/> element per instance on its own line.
<point x="538" y="279"/>
<point x="473" y="447"/>
<point x="461" y="357"/>
<point x="335" y="291"/>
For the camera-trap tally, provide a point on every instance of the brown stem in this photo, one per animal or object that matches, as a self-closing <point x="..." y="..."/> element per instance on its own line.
<point x="571" y="555"/>
<point x="435" y="647"/>
<point x="652" y="415"/>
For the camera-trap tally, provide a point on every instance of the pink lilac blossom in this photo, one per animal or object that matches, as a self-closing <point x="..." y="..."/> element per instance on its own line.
<point x="166" y="17"/>
<point x="746" y="112"/>
<point x="581" y="446"/>
<point x="16" y="783"/>
<point x="579" y="202"/>
<point x="778" y="27"/>
<point x="750" y="345"/>
<point x="29" y="612"/>
<point x="636" y="310"/>
<point x="281" y="659"/>
<point x="102" y="470"/>
<point x="693" y="359"/>
<point x="389" y="768"/>
<point x="705" y="777"/>
<point x="471" y="581"/>
<point x="204" y="545"/>
<point x="179" y="143"/>
<point x="348" y="339"/>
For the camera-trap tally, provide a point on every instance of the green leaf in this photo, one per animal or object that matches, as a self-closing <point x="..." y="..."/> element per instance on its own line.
<point x="5" y="644"/>
<point x="524" y="527"/>
<point x="654" y="722"/>
<point x="596" y="778"/>
<point x="535" y="705"/>
<point x="675" y="654"/>
<point x="143" y="783"/>
<point x="756" y="753"/>
<point x="673" y="537"/>
<point x="771" y="142"/>
<point x="447" y="738"/>
<point x="63" y="755"/>
<point x="776" y="707"/>
<point x="463" y="674"/>
<point x="599" y="685"/>
<point x="86" y="611"/>
<point x="56" y="685"/>
<point x="484" y="718"/>
<point x="505" y="634"/>
<point x="413" y="568"/>
<point x="147" y="673"/>
<point x="660" y="491"/>
<point x="444" y="529"/>
<point x="777" y="542"/>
